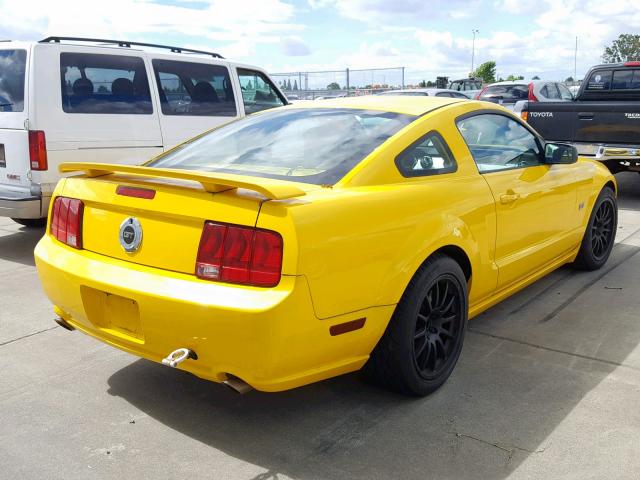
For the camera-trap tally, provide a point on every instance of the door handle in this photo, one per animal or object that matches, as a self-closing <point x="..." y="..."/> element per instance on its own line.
<point x="509" y="197"/>
<point x="585" y="116"/>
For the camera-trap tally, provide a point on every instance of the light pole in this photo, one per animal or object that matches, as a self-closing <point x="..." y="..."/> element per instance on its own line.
<point x="473" y="47"/>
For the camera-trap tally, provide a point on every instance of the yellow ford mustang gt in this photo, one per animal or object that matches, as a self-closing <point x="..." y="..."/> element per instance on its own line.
<point x="316" y="239"/>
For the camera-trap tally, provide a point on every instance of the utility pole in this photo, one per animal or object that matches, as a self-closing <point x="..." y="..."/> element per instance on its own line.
<point x="575" y="63"/>
<point x="473" y="47"/>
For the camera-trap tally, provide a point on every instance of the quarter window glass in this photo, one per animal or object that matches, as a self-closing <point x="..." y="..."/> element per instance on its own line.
<point x="12" y="67"/>
<point x="497" y="143"/>
<point x="565" y="93"/>
<point x="194" y="89"/>
<point x="102" y="84"/>
<point x="552" y="92"/>
<point x="429" y="156"/>
<point x="258" y="93"/>
<point x="443" y="94"/>
<point x="599" y="80"/>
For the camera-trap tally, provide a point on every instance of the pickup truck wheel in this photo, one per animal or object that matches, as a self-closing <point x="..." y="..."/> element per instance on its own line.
<point x="31" y="222"/>
<point x="599" y="237"/>
<point x="423" y="340"/>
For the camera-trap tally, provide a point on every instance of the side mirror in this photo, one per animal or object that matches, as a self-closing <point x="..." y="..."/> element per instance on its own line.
<point x="560" y="153"/>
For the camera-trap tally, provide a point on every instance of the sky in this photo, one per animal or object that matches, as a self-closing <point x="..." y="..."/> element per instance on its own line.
<point x="429" y="38"/>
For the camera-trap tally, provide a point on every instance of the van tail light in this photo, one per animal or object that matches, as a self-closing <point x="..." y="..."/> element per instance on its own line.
<point x="38" y="150"/>
<point x="66" y="221"/>
<point x="237" y="254"/>
<point x="481" y="93"/>
<point x="532" y="97"/>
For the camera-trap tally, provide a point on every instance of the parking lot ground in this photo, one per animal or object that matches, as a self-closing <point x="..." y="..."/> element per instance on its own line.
<point x="548" y="386"/>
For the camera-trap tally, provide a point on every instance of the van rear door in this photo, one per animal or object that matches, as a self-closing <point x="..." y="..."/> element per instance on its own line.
<point x="14" y="138"/>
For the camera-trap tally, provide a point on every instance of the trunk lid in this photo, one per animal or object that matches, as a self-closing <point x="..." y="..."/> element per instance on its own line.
<point x="172" y="221"/>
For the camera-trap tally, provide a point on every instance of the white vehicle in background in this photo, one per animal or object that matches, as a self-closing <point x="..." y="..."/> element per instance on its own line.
<point x="509" y="93"/>
<point x="430" y="92"/>
<point x="75" y="99"/>
<point x="468" y="86"/>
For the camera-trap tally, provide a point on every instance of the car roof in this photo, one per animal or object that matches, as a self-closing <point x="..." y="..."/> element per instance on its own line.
<point x="409" y="105"/>
<point x="521" y="82"/>
<point x="425" y="90"/>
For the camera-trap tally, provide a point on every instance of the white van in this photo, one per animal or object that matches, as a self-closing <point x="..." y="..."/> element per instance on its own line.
<point x="73" y="99"/>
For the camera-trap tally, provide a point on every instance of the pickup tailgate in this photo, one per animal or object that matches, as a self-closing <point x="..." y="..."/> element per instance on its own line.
<point x="172" y="220"/>
<point x="555" y="121"/>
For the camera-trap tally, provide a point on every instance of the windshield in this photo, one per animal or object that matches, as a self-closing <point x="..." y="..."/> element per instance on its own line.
<point x="505" y="93"/>
<point x="318" y="145"/>
<point x="12" y="66"/>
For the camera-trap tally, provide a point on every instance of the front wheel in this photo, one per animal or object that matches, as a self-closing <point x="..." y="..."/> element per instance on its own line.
<point x="600" y="234"/>
<point x="31" y="222"/>
<point x="423" y="340"/>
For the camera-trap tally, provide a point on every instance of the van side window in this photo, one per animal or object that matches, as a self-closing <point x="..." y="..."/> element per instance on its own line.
<point x="197" y="89"/>
<point x="104" y="84"/>
<point x="258" y="93"/>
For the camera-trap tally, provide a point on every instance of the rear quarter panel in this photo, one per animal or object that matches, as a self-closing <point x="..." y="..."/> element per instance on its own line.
<point x="360" y="242"/>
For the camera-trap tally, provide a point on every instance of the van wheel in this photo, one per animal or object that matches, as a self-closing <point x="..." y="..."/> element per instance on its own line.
<point x="31" y="222"/>
<point x="599" y="237"/>
<point x="423" y="340"/>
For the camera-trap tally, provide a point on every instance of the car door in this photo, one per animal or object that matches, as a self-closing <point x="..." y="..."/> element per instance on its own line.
<point x="535" y="202"/>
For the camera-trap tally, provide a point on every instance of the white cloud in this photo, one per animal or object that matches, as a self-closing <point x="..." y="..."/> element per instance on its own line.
<point x="232" y="26"/>
<point x="294" y="47"/>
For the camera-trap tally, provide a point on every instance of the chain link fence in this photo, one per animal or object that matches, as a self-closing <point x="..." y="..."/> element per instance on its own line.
<point x="339" y="83"/>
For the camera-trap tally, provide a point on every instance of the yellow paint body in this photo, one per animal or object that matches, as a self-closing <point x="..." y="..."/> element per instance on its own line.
<point x="349" y="251"/>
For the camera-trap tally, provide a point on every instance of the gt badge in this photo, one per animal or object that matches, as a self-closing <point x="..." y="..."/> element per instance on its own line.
<point x="131" y="234"/>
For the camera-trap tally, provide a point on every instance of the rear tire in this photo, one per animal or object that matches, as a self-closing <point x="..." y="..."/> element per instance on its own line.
<point x="31" y="222"/>
<point x="424" y="338"/>
<point x="600" y="234"/>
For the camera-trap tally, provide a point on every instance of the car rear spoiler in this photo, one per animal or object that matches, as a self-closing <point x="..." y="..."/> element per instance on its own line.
<point x="211" y="181"/>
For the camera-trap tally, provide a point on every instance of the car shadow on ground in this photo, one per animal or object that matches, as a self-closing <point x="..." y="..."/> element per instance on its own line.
<point x="526" y="365"/>
<point x="18" y="246"/>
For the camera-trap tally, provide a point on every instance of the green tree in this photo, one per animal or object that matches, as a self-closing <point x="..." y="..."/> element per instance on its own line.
<point x="422" y="84"/>
<point x="486" y="71"/>
<point x="513" y="78"/>
<point x="431" y="84"/>
<point x="333" y="86"/>
<point x="535" y="77"/>
<point x="624" y="49"/>
<point x="569" y="79"/>
<point x="295" y="85"/>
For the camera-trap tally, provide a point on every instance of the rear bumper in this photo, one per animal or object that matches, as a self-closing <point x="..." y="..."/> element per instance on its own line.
<point x="270" y="338"/>
<point x="20" y="202"/>
<point x="619" y="157"/>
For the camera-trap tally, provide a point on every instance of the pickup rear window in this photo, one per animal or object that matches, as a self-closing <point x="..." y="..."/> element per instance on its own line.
<point x="12" y="67"/>
<point x="599" y="80"/>
<point x="628" y="79"/>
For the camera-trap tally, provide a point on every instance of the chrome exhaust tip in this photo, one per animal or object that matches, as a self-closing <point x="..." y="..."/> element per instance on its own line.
<point x="237" y="385"/>
<point x="63" y="323"/>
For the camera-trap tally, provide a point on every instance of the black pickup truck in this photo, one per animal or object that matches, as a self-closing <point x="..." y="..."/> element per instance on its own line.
<point x="603" y="122"/>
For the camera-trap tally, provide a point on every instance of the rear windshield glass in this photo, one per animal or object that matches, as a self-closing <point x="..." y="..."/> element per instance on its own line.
<point x="505" y="93"/>
<point x="12" y="66"/>
<point x="102" y="84"/>
<point x="627" y="79"/>
<point x="317" y="145"/>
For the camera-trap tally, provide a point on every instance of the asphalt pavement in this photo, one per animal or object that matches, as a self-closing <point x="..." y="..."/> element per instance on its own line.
<point x="548" y="386"/>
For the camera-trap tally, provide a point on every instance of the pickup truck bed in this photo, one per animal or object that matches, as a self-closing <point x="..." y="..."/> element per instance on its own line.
<point x="604" y="120"/>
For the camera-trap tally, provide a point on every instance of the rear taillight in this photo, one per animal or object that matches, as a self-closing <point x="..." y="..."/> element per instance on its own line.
<point x="66" y="221"/>
<point x="524" y="115"/>
<point x="481" y="93"/>
<point x="38" y="150"/>
<point x="532" y="97"/>
<point x="237" y="254"/>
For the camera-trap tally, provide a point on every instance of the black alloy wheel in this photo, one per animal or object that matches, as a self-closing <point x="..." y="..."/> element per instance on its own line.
<point x="600" y="234"/>
<point x="438" y="324"/>
<point x="424" y="338"/>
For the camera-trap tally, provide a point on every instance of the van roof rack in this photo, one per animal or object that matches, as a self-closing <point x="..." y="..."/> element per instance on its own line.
<point x="127" y="44"/>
